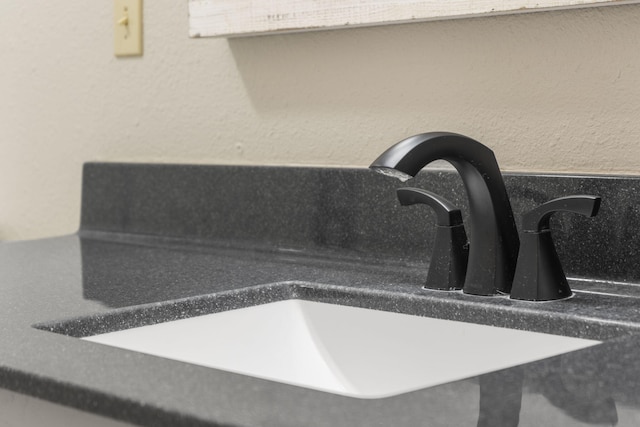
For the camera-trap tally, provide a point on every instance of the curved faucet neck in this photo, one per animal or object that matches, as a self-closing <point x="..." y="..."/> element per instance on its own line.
<point x="494" y="241"/>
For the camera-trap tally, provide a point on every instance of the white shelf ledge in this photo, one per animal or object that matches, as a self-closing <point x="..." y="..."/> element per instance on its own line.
<point x="227" y="18"/>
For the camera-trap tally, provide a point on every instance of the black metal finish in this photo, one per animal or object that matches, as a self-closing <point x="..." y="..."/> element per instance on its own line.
<point x="448" y="266"/>
<point x="539" y="275"/>
<point x="494" y="238"/>
<point x="447" y="214"/>
<point x="537" y="220"/>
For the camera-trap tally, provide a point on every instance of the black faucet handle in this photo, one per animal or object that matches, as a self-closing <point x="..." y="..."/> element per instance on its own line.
<point x="538" y="219"/>
<point x="450" y="254"/>
<point x="447" y="214"/>
<point x="539" y="275"/>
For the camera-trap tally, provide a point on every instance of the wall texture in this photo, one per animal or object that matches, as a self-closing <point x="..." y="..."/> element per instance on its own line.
<point x="557" y="91"/>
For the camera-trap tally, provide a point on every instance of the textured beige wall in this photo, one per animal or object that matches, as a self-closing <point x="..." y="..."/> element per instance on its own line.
<point x="555" y="91"/>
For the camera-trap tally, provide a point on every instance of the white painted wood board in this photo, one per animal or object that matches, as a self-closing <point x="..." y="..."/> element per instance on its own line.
<point x="211" y="18"/>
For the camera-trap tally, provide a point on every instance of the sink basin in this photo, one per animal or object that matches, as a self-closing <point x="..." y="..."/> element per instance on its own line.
<point x="339" y="349"/>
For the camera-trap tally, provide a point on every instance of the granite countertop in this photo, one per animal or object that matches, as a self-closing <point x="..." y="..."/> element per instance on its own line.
<point x="124" y="268"/>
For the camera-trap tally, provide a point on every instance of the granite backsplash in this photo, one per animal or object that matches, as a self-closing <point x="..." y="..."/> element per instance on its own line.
<point x="322" y="210"/>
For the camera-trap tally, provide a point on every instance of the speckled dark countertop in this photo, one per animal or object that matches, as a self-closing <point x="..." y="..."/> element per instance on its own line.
<point x="163" y="242"/>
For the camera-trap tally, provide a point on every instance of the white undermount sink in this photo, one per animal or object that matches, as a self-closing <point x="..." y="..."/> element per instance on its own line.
<point x="339" y="349"/>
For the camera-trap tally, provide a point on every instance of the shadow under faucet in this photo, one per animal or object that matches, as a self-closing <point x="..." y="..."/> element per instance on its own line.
<point x="494" y="241"/>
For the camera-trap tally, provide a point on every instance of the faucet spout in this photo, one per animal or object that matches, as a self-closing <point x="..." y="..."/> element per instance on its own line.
<point x="494" y="241"/>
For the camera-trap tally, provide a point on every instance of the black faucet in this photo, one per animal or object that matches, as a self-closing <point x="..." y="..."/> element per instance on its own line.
<point x="494" y="241"/>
